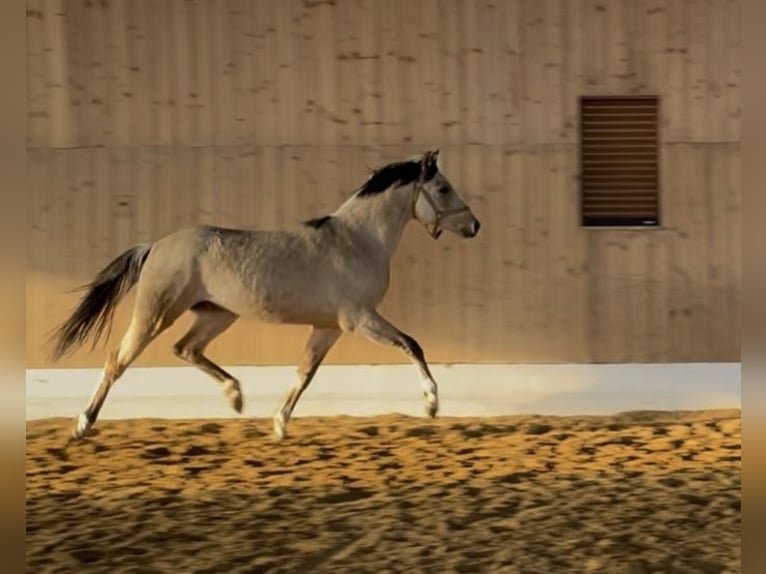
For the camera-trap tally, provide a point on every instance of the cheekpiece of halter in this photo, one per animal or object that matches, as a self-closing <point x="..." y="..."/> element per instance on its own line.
<point x="434" y="230"/>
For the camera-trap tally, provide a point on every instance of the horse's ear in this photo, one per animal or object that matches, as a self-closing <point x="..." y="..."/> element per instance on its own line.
<point x="429" y="164"/>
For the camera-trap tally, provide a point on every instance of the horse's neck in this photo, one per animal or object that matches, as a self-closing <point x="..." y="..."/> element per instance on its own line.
<point x="381" y="218"/>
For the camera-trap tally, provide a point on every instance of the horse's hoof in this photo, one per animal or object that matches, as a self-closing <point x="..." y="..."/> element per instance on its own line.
<point x="280" y="431"/>
<point x="237" y="403"/>
<point x="81" y="427"/>
<point x="432" y="407"/>
<point x="234" y="394"/>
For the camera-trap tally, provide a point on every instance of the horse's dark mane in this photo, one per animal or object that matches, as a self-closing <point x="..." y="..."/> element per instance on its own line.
<point x="393" y="174"/>
<point x="317" y="222"/>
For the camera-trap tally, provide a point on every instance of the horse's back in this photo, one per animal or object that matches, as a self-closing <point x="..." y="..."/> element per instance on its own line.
<point x="292" y="276"/>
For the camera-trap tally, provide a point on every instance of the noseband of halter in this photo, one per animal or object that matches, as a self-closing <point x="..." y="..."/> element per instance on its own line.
<point x="440" y="214"/>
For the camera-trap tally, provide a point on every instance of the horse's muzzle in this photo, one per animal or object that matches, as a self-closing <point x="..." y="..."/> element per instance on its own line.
<point x="472" y="230"/>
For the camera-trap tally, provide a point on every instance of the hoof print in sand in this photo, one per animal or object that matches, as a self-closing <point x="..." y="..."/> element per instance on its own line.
<point x="422" y="432"/>
<point x="516" y="478"/>
<point x="473" y="433"/>
<point x="195" y="450"/>
<point x="87" y="555"/>
<point x="211" y="428"/>
<point x="156" y="452"/>
<point x="58" y="453"/>
<point x="195" y="470"/>
<point x="370" y="431"/>
<point x="350" y="495"/>
<point x="671" y="482"/>
<point x="537" y="429"/>
<point x="690" y="498"/>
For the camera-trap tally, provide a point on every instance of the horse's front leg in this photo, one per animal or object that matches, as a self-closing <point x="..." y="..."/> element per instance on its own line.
<point x="373" y="326"/>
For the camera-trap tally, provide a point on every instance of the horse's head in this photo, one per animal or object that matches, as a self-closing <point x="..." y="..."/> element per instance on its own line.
<point x="437" y="205"/>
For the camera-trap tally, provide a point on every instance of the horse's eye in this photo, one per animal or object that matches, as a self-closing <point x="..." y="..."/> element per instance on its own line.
<point x="444" y="190"/>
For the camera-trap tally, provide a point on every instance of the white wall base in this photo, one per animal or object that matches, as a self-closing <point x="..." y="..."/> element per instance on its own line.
<point x="465" y="390"/>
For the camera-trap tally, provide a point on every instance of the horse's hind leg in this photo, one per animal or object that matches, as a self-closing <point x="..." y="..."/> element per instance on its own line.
<point x="318" y="345"/>
<point x="139" y="334"/>
<point x="377" y="329"/>
<point x="211" y="320"/>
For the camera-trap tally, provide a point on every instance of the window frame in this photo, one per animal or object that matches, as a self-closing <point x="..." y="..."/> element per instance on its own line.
<point x="618" y="223"/>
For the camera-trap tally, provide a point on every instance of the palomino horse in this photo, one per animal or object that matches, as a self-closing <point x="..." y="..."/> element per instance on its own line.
<point x="330" y="273"/>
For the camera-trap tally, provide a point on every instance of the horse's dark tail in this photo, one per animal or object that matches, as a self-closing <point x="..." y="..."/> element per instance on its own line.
<point x="96" y="310"/>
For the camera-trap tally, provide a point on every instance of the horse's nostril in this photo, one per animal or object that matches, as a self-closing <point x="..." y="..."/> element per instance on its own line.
<point x="476" y="226"/>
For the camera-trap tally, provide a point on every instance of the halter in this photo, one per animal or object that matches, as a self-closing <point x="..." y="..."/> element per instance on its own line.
<point x="440" y="214"/>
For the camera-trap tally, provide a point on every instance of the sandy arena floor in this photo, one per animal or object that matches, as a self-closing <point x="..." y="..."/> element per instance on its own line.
<point x="632" y="494"/>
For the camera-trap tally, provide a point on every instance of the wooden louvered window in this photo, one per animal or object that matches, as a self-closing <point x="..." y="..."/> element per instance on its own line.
<point x="619" y="166"/>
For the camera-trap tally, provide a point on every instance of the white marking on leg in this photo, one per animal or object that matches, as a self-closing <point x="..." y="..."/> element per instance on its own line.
<point x="279" y="426"/>
<point x="432" y="396"/>
<point x="429" y="389"/>
<point x="83" y="425"/>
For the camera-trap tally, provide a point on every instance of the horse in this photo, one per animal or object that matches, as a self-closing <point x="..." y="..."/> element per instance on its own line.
<point x="329" y="273"/>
